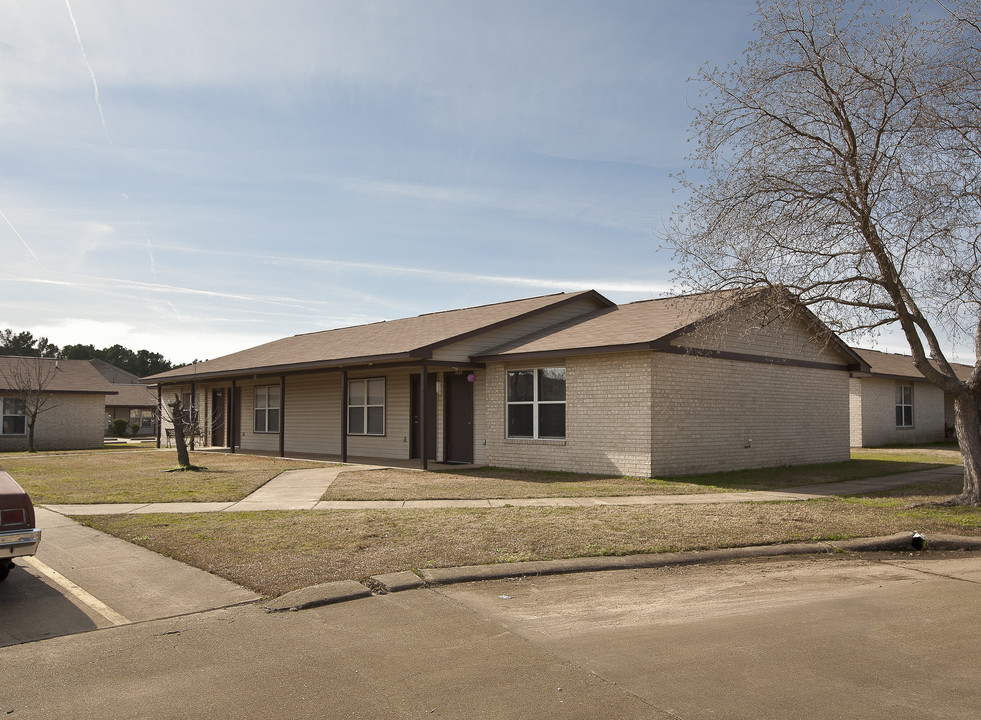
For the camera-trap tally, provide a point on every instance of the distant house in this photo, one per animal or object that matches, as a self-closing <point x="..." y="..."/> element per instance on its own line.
<point x="566" y="382"/>
<point x="893" y="404"/>
<point x="132" y="401"/>
<point x="75" y="394"/>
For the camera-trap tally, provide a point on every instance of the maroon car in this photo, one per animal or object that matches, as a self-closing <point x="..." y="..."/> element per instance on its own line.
<point x="18" y="535"/>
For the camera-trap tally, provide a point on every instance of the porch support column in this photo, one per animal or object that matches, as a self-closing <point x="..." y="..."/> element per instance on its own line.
<point x="159" y="413"/>
<point x="282" y="416"/>
<point x="343" y="416"/>
<point x="232" y="415"/>
<point x="423" y="420"/>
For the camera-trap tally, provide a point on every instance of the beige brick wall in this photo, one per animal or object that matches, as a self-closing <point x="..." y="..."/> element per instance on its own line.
<point x="608" y="414"/>
<point x="751" y="332"/>
<point x="657" y="414"/>
<point x="712" y="415"/>
<point x="875" y="424"/>
<point x="855" y="412"/>
<point x="71" y="422"/>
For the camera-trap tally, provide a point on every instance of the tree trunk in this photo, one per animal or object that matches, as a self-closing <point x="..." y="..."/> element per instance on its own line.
<point x="968" y="424"/>
<point x="177" y="417"/>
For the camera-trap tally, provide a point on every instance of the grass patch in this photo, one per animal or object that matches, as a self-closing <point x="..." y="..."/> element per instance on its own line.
<point x="505" y="484"/>
<point x="495" y="483"/>
<point x="275" y="552"/>
<point x="141" y="476"/>
<point x="864" y="463"/>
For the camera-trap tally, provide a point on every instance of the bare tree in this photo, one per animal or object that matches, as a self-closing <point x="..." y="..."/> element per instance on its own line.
<point x="186" y="429"/>
<point x="28" y="380"/>
<point x="840" y="159"/>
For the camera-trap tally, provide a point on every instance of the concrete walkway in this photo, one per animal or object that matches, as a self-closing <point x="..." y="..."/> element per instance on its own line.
<point x="302" y="490"/>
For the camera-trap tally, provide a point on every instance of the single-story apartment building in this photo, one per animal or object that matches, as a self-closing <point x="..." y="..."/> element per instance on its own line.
<point x="893" y="404"/>
<point x="569" y="382"/>
<point x="73" y="395"/>
<point x="132" y="401"/>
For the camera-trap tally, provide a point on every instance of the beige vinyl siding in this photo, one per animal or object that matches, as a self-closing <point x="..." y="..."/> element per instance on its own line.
<point x="395" y="442"/>
<point x="267" y="443"/>
<point x="312" y="416"/>
<point x="713" y="415"/>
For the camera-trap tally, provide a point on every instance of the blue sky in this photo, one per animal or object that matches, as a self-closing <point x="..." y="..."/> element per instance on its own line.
<point x="195" y="178"/>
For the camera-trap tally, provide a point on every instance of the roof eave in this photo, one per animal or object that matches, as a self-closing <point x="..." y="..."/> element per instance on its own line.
<point x="285" y="369"/>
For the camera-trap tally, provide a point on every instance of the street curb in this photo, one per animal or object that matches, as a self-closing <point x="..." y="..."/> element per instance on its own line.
<point x="341" y="591"/>
<point x="317" y="595"/>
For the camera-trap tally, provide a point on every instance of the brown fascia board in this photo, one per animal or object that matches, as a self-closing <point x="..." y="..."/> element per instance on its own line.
<point x="287" y="369"/>
<point x="567" y="352"/>
<point x="603" y="301"/>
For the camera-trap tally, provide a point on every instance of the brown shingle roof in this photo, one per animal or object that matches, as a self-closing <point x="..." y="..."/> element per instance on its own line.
<point x="62" y="376"/>
<point x="901" y="366"/>
<point x="134" y="396"/>
<point x="634" y="325"/>
<point x="389" y="341"/>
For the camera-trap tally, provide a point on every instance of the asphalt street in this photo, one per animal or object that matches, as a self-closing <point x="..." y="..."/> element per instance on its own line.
<point x="881" y="635"/>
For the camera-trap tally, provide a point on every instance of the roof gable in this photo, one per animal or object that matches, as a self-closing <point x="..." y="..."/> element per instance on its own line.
<point x="662" y="324"/>
<point x="61" y="376"/>
<point x="897" y="365"/>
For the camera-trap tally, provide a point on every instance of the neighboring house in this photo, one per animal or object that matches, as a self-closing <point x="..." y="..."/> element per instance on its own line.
<point x="893" y="404"/>
<point x="566" y="382"/>
<point x="133" y="402"/>
<point x="75" y="401"/>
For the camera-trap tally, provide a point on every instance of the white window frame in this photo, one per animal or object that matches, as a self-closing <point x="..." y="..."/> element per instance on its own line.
<point x="536" y="404"/>
<point x="12" y="413"/>
<point x="901" y="402"/>
<point x="263" y="392"/>
<point x="365" y="406"/>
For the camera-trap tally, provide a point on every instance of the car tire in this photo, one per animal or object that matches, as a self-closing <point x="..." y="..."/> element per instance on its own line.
<point x="5" y="566"/>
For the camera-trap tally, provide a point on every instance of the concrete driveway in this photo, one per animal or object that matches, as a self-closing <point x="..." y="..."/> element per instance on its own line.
<point x="83" y="579"/>
<point x="884" y="635"/>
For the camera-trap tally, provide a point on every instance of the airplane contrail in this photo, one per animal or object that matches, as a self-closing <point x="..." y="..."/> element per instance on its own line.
<point x="29" y="249"/>
<point x="149" y="249"/>
<point x="85" y="59"/>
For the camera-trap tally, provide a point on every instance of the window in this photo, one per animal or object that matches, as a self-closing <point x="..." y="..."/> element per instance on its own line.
<point x="14" y="417"/>
<point x="143" y="418"/>
<point x="366" y="407"/>
<point x="904" y="406"/>
<point x="267" y="409"/>
<point x="536" y="404"/>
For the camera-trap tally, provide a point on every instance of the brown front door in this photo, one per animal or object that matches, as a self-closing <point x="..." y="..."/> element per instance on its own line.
<point x="219" y="403"/>
<point x="415" y="445"/>
<point x="459" y="417"/>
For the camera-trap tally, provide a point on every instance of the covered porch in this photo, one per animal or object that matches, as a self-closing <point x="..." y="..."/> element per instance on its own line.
<point x="412" y="415"/>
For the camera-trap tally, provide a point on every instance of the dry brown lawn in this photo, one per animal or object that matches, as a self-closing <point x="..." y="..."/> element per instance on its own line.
<point x="274" y="552"/>
<point x="138" y="476"/>
<point x="495" y="483"/>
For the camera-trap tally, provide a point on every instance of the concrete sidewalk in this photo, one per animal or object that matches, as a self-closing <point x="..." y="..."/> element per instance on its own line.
<point x="302" y="490"/>
<point x="129" y="583"/>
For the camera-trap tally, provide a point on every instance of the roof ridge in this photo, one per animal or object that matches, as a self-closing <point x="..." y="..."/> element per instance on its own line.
<point x="502" y="302"/>
<point x="447" y="312"/>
